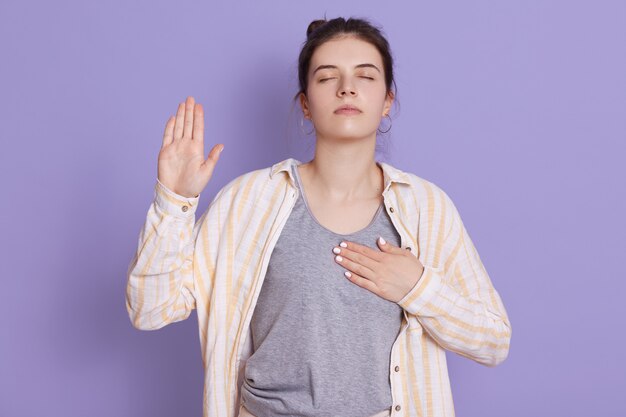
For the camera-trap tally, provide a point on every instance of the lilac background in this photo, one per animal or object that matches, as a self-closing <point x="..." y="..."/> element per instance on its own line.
<point x="516" y="108"/>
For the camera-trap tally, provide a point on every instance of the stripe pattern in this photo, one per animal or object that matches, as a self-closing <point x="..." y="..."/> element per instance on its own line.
<point x="217" y="264"/>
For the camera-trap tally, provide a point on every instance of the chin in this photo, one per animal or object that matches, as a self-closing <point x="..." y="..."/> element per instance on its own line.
<point x="349" y="135"/>
<point x="345" y="131"/>
<point x="353" y="132"/>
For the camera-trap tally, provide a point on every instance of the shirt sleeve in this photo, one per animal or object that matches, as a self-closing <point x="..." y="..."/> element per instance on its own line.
<point x="456" y="302"/>
<point x="160" y="286"/>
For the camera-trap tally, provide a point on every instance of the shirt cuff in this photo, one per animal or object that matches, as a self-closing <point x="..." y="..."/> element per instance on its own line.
<point x="175" y="204"/>
<point x="426" y="288"/>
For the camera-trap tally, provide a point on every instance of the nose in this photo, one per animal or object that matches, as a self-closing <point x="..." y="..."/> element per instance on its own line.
<point x="346" y="88"/>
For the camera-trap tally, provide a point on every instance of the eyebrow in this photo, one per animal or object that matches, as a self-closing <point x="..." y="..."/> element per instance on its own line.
<point x="356" y="66"/>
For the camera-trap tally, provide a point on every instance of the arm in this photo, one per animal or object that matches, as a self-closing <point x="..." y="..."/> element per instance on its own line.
<point x="457" y="304"/>
<point x="160" y="287"/>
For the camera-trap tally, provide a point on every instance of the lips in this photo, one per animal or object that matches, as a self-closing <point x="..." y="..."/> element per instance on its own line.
<point x="348" y="109"/>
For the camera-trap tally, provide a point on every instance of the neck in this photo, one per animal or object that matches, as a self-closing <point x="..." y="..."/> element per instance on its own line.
<point x="345" y="172"/>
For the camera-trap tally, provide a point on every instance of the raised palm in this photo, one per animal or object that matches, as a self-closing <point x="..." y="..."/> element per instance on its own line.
<point x="181" y="166"/>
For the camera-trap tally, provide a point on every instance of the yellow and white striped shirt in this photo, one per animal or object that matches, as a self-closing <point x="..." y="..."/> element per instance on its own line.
<point x="217" y="264"/>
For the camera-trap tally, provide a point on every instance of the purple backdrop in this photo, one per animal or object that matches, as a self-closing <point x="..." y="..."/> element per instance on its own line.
<point x="526" y="100"/>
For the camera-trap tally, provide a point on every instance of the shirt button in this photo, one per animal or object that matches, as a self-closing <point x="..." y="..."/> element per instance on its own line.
<point x="185" y="208"/>
<point x="397" y="368"/>
<point x="398" y="407"/>
<point x="391" y="209"/>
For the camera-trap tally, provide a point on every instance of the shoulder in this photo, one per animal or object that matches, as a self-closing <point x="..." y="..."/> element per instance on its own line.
<point x="235" y="186"/>
<point x="249" y="184"/>
<point x="431" y="197"/>
<point x="423" y="189"/>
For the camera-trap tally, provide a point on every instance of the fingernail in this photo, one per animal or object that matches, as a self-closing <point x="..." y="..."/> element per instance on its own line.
<point x="381" y="240"/>
<point x="343" y="244"/>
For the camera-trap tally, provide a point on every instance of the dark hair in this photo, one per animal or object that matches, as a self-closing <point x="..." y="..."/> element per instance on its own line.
<point x="322" y="30"/>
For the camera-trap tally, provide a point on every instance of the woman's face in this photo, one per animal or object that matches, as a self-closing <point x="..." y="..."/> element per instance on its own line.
<point x="346" y="71"/>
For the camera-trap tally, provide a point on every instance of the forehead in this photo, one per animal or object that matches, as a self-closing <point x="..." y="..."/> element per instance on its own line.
<point x="345" y="51"/>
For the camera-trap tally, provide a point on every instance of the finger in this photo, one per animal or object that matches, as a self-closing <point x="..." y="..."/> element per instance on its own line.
<point x="364" y="250"/>
<point x="188" y="129"/>
<point x="211" y="161"/>
<point x="356" y="257"/>
<point x="198" y="123"/>
<point x="388" y="247"/>
<point x="168" y="135"/>
<point x="355" y="267"/>
<point x="180" y="119"/>
<point x="361" y="282"/>
<point x="214" y="154"/>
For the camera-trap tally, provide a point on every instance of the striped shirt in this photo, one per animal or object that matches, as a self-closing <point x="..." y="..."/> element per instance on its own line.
<point x="217" y="265"/>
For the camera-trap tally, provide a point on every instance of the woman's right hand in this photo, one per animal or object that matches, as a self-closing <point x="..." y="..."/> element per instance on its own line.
<point x="181" y="166"/>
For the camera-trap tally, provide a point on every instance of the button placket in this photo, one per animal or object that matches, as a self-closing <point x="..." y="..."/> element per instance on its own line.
<point x="397" y="368"/>
<point x="391" y="210"/>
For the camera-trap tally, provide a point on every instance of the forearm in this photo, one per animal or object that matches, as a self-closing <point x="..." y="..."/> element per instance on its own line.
<point x="467" y="325"/>
<point x="160" y="287"/>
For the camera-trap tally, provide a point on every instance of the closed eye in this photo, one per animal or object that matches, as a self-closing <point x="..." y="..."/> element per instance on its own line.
<point x="324" y="79"/>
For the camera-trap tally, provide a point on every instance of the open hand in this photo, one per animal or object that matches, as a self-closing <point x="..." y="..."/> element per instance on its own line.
<point x="390" y="273"/>
<point x="182" y="167"/>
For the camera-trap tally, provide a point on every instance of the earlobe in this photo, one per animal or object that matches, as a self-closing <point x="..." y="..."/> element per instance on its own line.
<point x="305" y="107"/>
<point x="303" y="103"/>
<point x="388" y="103"/>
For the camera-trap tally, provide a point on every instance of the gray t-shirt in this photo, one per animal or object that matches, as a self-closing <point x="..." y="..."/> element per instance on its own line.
<point x="322" y="344"/>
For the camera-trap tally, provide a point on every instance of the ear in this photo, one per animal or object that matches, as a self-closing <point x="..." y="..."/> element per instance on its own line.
<point x="305" y="105"/>
<point x="388" y="103"/>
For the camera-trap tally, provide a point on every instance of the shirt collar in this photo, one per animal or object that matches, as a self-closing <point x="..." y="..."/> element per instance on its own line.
<point x="390" y="173"/>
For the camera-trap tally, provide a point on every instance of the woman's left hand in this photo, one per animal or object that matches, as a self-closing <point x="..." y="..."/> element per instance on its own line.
<point x="389" y="273"/>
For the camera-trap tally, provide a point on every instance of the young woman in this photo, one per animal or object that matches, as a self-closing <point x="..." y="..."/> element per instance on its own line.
<point x="325" y="288"/>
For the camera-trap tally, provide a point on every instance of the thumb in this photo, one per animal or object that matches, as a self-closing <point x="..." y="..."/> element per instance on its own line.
<point x="211" y="161"/>
<point x="386" y="246"/>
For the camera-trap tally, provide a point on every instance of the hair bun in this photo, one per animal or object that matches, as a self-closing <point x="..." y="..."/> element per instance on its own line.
<point x="314" y="25"/>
